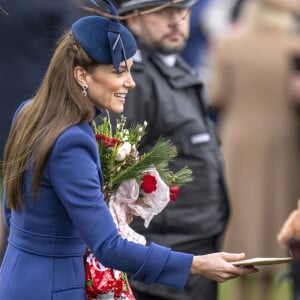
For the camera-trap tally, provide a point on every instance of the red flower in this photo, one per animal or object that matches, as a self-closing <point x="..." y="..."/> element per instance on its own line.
<point x="106" y="140"/>
<point x="149" y="184"/>
<point x="174" y="190"/>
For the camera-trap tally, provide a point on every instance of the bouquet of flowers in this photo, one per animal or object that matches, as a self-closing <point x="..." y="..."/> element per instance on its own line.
<point x="134" y="185"/>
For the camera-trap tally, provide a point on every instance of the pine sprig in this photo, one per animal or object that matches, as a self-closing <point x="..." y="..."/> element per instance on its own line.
<point x="183" y="176"/>
<point x="159" y="156"/>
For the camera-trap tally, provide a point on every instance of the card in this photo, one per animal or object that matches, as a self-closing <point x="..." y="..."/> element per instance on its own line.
<point x="261" y="261"/>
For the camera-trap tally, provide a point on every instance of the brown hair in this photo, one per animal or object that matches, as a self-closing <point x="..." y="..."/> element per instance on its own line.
<point x="57" y="105"/>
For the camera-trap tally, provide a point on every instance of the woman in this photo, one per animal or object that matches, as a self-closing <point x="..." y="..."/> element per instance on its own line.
<point x="53" y="179"/>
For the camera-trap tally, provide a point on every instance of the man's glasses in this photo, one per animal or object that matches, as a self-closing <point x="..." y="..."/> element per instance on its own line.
<point x="176" y="14"/>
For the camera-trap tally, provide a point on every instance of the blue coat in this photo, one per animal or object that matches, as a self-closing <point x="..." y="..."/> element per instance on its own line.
<point x="48" y="238"/>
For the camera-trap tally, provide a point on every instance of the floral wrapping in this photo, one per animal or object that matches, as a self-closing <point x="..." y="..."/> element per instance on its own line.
<point x="131" y="200"/>
<point x="105" y="283"/>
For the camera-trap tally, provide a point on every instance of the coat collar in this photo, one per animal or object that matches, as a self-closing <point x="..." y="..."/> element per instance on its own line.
<point x="180" y="75"/>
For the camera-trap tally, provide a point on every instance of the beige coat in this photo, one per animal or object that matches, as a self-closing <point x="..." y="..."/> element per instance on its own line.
<point x="259" y="135"/>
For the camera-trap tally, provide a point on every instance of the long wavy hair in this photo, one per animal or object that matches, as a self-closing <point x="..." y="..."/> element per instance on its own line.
<point x="57" y="105"/>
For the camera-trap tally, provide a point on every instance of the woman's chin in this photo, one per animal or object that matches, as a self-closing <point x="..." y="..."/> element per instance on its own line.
<point x="117" y="109"/>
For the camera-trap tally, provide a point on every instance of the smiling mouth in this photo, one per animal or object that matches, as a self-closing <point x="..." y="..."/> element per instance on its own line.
<point x="120" y="96"/>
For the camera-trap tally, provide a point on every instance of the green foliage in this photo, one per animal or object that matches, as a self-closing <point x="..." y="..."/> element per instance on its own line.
<point x="159" y="157"/>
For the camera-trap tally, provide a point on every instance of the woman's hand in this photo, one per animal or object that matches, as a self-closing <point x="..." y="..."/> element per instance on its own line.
<point x="218" y="266"/>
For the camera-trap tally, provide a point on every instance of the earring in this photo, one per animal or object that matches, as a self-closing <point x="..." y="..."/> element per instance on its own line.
<point x="84" y="90"/>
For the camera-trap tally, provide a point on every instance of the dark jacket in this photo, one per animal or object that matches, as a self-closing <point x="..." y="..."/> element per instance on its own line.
<point x="171" y="100"/>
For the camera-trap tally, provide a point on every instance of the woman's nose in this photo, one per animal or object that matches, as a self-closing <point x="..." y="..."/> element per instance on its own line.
<point x="130" y="83"/>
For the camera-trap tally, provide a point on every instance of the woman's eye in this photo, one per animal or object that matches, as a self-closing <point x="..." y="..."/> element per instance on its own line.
<point x="120" y="71"/>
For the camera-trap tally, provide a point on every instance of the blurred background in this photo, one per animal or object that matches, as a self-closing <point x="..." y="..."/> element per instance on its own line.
<point x="29" y="29"/>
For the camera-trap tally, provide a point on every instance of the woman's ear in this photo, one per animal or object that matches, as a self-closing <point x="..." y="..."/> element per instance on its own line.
<point x="80" y="75"/>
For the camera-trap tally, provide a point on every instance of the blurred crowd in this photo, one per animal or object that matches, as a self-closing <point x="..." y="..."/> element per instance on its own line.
<point x="246" y="52"/>
<point x="251" y="75"/>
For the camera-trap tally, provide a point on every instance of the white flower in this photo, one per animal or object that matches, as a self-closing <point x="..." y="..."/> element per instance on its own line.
<point x="123" y="151"/>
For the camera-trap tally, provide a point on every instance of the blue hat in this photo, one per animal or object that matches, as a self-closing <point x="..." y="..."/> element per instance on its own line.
<point x="105" y="40"/>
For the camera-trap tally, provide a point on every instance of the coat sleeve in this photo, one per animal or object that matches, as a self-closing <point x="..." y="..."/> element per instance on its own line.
<point x="75" y="176"/>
